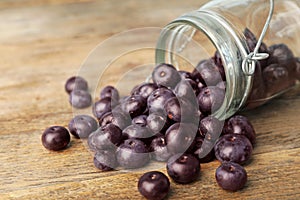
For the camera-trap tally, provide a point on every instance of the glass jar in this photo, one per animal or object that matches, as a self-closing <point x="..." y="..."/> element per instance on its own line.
<point x="227" y="32"/>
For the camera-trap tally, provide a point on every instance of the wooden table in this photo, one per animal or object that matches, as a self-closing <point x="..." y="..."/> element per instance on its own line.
<point x="42" y="43"/>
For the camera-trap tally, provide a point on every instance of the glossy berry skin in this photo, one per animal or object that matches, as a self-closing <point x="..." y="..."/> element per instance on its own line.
<point x="234" y="148"/>
<point x="134" y="105"/>
<point x="138" y="132"/>
<point x="165" y="75"/>
<point x="183" y="168"/>
<point x="132" y="154"/>
<point x="157" y="99"/>
<point x="158" y="148"/>
<point x="76" y="83"/>
<point x="231" y="176"/>
<point x="106" y="137"/>
<point x="56" y="138"/>
<point x="110" y="92"/>
<point x="81" y="126"/>
<point x="239" y="124"/>
<point x="154" y="185"/>
<point x="80" y="99"/>
<point x="180" y="136"/>
<point x="210" y="99"/>
<point x="102" y="107"/>
<point x="187" y="88"/>
<point x="208" y="73"/>
<point x="105" y="160"/>
<point x="210" y="128"/>
<point x="144" y="89"/>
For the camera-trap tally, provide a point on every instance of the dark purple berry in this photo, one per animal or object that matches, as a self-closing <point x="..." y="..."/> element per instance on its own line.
<point x="105" y="160"/>
<point x="210" y="99"/>
<point x="208" y="73"/>
<point x="116" y="117"/>
<point x="134" y="105"/>
<point x="240" y="125"/>
<point x="231" y="176"/>
<point x="183" y="168"/>
<point x="234" y="148"/>
<point x="166" y="75"/>
<point x="80" y="99"/>
<point x="76" y="83"/>
<point x="135" y="131"/>
<point x="180" y="136"/>
<point x="157" y="99"/>
<point x="106" y="137"/>
<point x="102" y="107"/>
<point x="132" y="154"/>
<point x="82" y="126"/>
<point x="144" y="89"/>
<point x="56" y="138"/>
<point x="111" y="92"/>
<point x="154" y="185"/>
<point x="158" y="148"/>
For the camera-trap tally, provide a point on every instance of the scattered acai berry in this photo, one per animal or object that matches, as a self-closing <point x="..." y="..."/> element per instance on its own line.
<point x="154" y="185"/>
<point x="231" y="176"/>
<point x="183" y="168"/>
<point x="76" y="83"/>
<point x="81" y="126"/>
<point x="56" y="138"/>
<point x="80" y="99"/>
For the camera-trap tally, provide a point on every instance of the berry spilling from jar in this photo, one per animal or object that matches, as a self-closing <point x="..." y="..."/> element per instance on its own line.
<point x="171" y="120"/>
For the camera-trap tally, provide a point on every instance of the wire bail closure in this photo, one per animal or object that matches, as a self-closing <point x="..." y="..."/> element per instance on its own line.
<point x="249" y="63"/>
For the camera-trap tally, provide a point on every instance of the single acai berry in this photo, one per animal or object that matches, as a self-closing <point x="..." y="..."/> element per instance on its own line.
<point x="111" y="92"/>
<point x="166" y="75"/>
<point x="210" y="99"/>
<point x="157" y="99"/>
<point x="105" y="160"/>
<point x="132" y="154"/>
<point x="76" y="83"/>
<point x="183" y="168"/>
<point x="207" y="72"/>
<point x="106" y="137"/>
<point x="231" y="176"/>
<point x="158" y="148"/>
<point x="187" y="88"/>
<point x="102" y="107"/>
<point x="210" y="128"/>
<point x="81" y="126"/>
<point x="239" y="124"/>
<point x="154" y="185"/>
<point x="134" y="105"/>
<point x="234" y="148"/>
<point x="184" y="110"/>
<point x="56" y="138"/>
<point x="80" y="99"/>
<point x="180" y="136"/>
<point x="144" y="89"/>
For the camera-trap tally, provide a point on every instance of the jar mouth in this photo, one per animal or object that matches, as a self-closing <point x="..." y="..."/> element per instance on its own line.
<point x="227" y="41"/>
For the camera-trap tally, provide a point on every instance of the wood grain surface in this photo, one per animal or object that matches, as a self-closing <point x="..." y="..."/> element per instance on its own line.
<point x="42" y="43"/>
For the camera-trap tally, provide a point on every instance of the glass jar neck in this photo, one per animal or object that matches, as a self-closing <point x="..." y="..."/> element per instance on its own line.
<point x="228" y="42"/>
